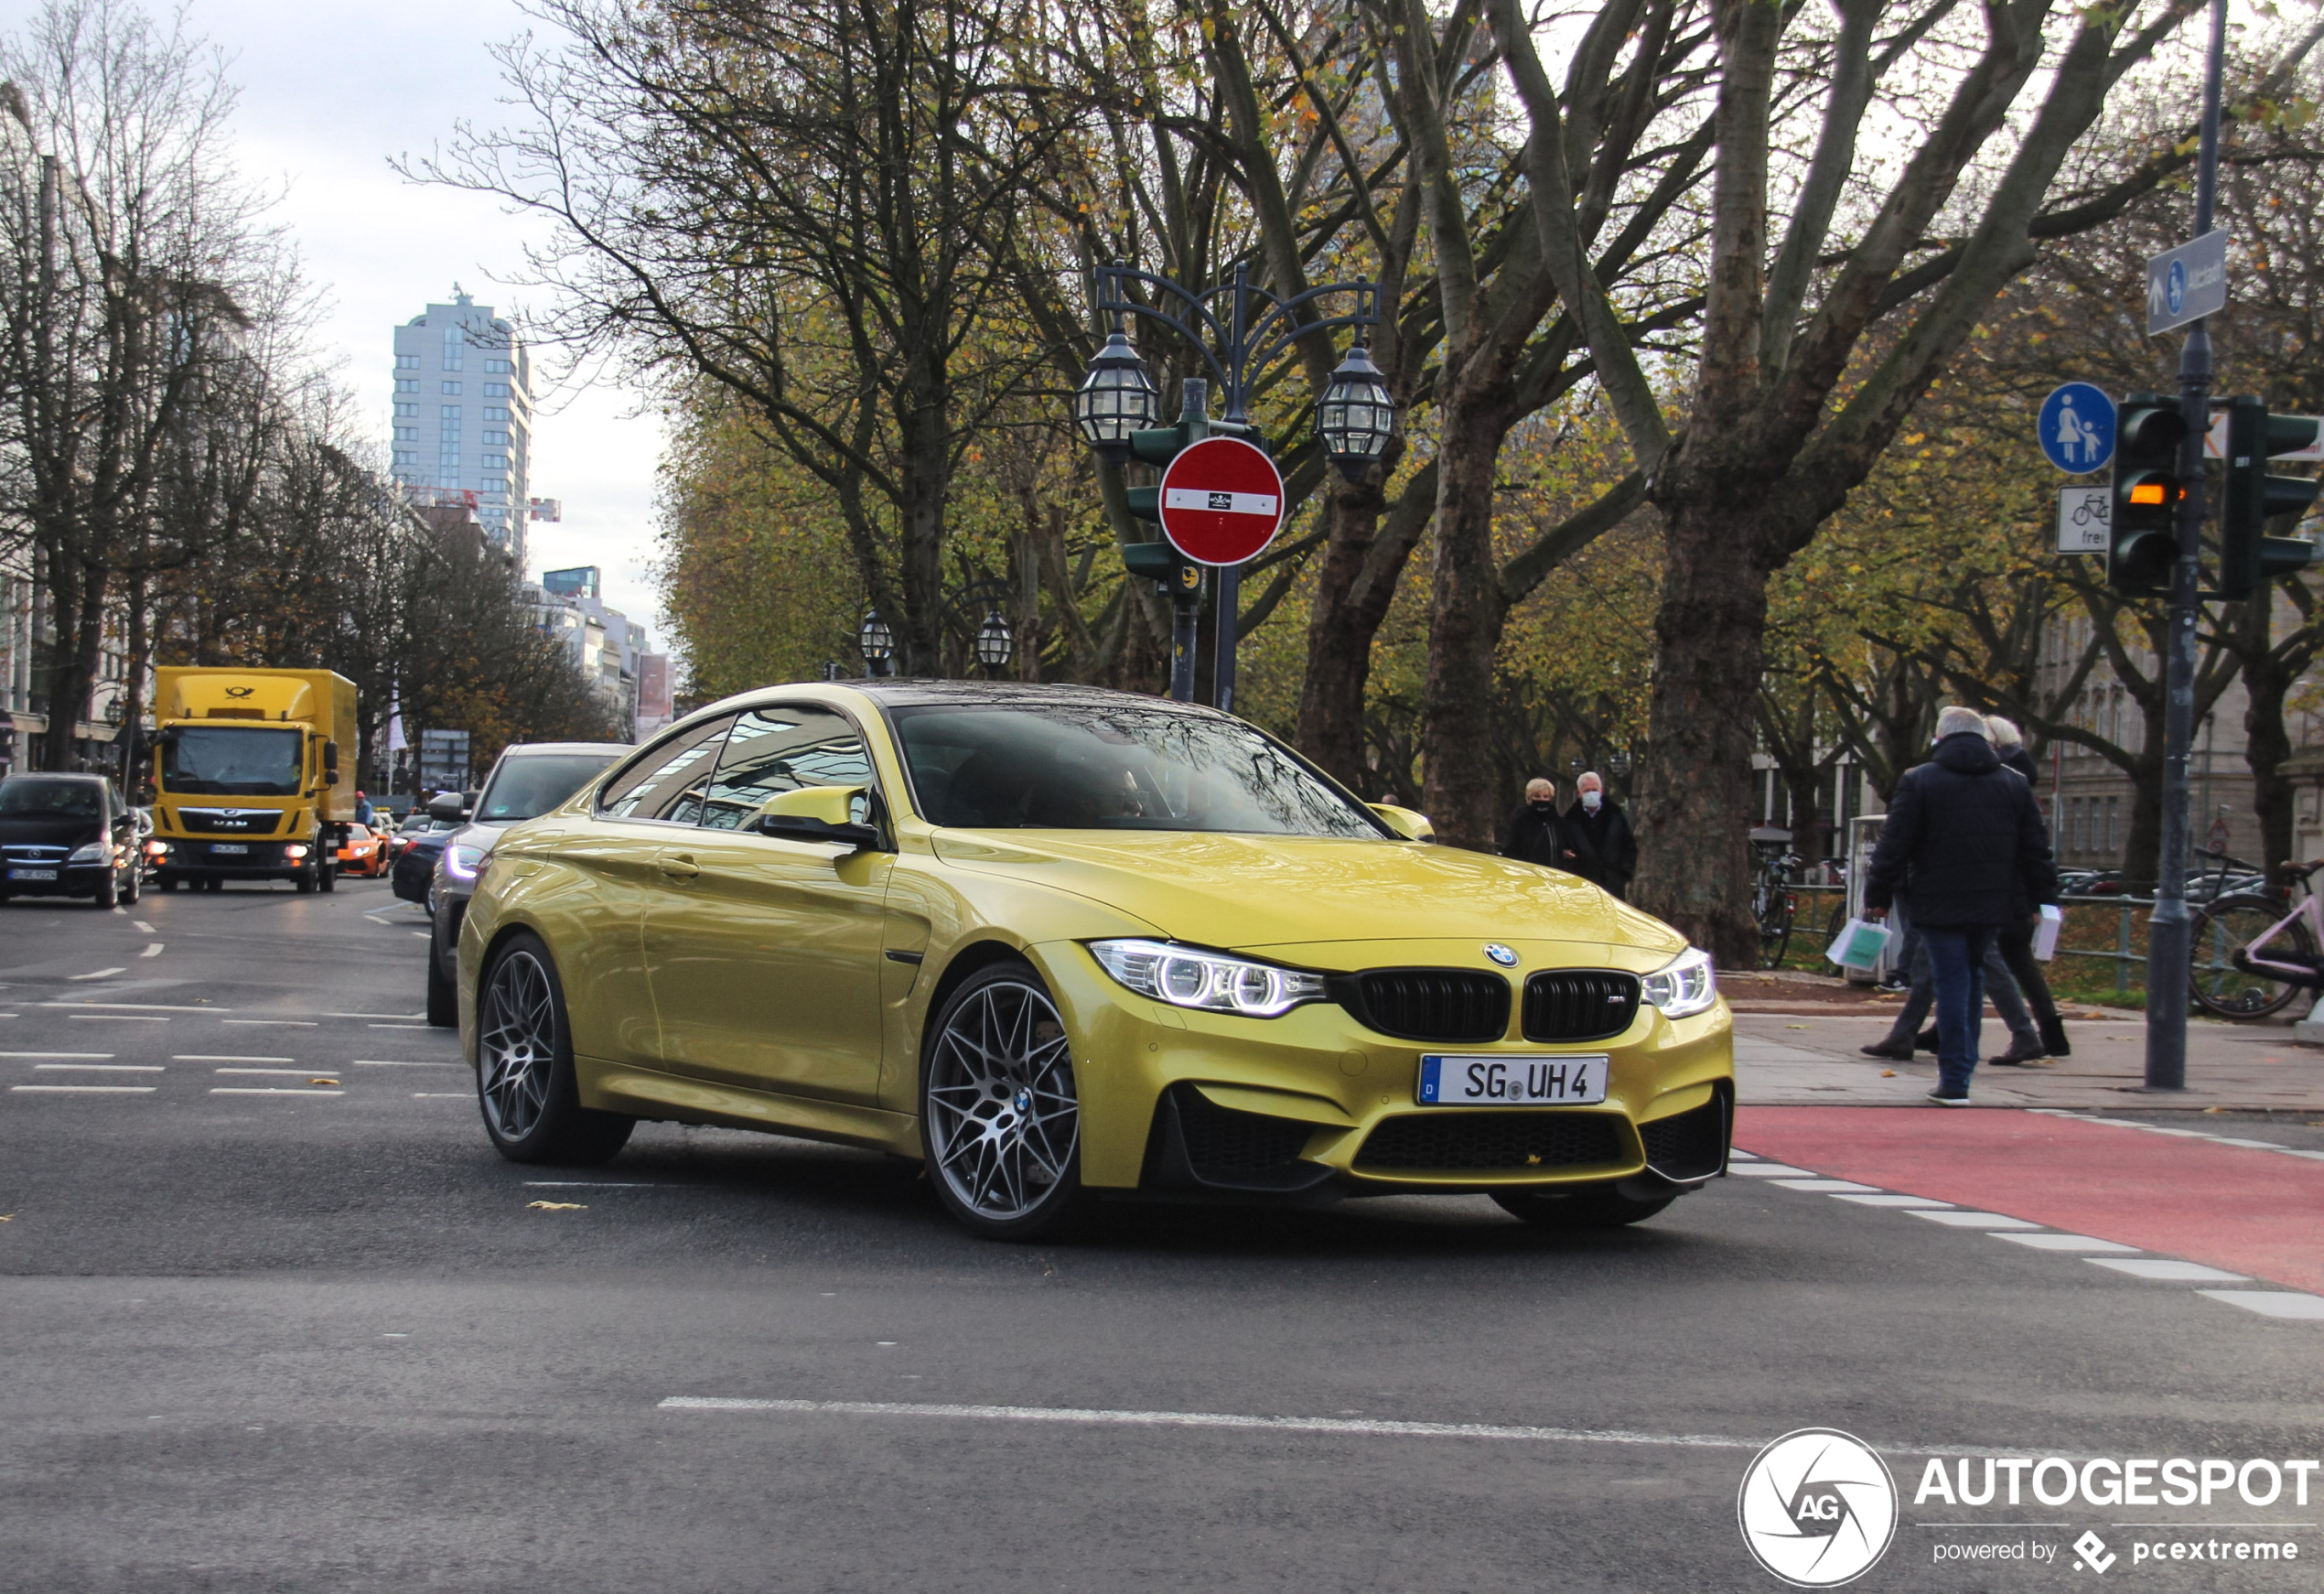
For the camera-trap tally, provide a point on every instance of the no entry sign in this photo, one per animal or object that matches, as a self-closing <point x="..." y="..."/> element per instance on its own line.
<point x="1222" y="502"/>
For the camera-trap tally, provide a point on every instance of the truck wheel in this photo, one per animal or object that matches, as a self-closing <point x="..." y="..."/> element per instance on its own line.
<point x="326" y="875"/>
<point x="215" y="883"/>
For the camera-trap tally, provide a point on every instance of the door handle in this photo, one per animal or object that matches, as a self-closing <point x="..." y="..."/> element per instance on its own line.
<point x="679" y="866"/>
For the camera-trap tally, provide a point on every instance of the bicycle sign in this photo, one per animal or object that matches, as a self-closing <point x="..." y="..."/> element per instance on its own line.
<point x="2085" y="520"/>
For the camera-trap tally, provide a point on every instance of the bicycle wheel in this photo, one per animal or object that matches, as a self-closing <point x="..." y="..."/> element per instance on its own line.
<point x="1775" y="928"/>
<point x="2225" y="928"/>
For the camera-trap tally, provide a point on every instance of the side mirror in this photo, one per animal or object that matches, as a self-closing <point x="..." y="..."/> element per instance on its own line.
<point x="817" y="814"/>
<point x="446" y="807"/>
<point x="330" y="763"/>
<point x="1412" y="826"/>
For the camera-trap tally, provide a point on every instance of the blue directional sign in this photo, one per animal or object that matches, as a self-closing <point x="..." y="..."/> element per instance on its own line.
<point x="2187" y="284"/>
<point x="2077" y="426"/>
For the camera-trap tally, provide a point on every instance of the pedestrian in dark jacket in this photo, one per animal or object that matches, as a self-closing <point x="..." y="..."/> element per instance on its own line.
<point x="1605" y="851"/>
<point x="2016" y="939"/>
<point x="1536" y="832"/>
<point x="1963" y="845"/>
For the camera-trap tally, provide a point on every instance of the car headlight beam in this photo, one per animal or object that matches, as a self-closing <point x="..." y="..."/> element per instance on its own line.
<point x="462" y="860"/>
<point x="1684" y="986"/>
<point x="1209" y="981"/>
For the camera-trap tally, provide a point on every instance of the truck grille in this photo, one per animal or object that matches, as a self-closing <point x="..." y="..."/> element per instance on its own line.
<point x="1499" y="1142"/>
<point x="1579" y="1004"/>
<point x="228" y="821"/>
<point x="1437" y="1004"/>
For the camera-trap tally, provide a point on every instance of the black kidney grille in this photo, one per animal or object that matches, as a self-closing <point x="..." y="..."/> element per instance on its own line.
<point x="1439" y="1005"/>
<point x="1502" y="1142"/>
<point x="1687" y="1145"/>
<point x="1220" y="1137"/>
<point x="1579" y="1004"/>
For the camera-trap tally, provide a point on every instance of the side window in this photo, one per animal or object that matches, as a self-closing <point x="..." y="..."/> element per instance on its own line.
<point x="668" y="780"/>
<point x="780" y="748"/>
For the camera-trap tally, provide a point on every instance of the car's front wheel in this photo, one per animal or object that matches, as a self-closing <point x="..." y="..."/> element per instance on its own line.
<point x="526" y="1081"/>
<point x="1594" y="1206"/>
<point x="1000" y="1119"/>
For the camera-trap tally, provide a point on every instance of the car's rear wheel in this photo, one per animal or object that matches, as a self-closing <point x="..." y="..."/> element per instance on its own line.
<point x="526" y="1081"/>
<point x="1592" y="1206"/>
<point x="1000" y="1119"/>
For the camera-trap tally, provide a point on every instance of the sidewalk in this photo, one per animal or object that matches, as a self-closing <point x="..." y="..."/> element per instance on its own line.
<point x="1810" y="1057"/>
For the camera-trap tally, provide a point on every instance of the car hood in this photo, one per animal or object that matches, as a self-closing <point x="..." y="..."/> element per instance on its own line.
<point x="45" y="830"/>
<point x="1251" y="892"/>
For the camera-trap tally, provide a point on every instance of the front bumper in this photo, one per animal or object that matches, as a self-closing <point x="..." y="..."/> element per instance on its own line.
<point x="1314" y="1105"/>
<point x="72" y="880"/>
<point x="261" y="860"/>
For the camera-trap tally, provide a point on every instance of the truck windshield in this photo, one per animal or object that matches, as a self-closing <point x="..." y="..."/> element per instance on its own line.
<point x="218" y="760"/>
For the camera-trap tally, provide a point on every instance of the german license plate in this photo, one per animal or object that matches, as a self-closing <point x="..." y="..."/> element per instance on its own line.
<point x="32" y="874"/>
<point x="236" y="848"/>
<point x="1448" y="1080"/>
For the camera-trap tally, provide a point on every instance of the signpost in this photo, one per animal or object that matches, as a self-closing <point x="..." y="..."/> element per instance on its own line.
<point x="2085" y="519"/>
<point x="2187" y="284"/>
<point x="2311" y="453"/>
<point x="2077" y="427"/>
<point x="1222" y="502"/>
<point x="444" y="761"/>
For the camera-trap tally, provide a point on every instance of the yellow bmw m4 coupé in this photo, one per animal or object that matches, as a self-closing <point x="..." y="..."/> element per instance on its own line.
<point x="1060" y="942"/>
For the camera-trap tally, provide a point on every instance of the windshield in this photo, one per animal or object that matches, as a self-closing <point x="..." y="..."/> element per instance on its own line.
<point x="218" y="760"/>
<point x="1114" y="766"/>
<point x="23" y="799"/>
<point x="528" y="786"/>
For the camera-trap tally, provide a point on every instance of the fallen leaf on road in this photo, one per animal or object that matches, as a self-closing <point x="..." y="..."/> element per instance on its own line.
<point x="1888" y="1074"/>
<point x="1795" y="1026"/>
<point x="557" y="1206"/>
<point x="322" y="1081"/>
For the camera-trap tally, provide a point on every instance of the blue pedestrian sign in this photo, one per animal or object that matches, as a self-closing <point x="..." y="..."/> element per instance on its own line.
<point x="2077" y="427"/>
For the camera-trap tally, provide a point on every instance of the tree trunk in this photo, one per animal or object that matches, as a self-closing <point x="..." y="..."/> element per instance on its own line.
<point x="1467" y="610"/>
<point x="920" y="633"/>
<point x="1695" y="807"/>
<point x="1363" y="557"/>
<point x="1803" y="783"/>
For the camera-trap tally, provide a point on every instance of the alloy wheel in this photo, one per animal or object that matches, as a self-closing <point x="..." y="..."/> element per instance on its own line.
<point x="516" y="1040"/>
<point x="1003" y="1116"/>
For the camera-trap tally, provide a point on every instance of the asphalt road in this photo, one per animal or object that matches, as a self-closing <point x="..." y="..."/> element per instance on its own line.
<point x="322" y="1338"/>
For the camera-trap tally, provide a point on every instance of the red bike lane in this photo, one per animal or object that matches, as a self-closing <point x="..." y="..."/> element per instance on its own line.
<point x="2239" y="1208"/>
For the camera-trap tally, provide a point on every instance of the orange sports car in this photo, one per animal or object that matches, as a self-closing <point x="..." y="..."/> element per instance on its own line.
<point x="364" y="852"/>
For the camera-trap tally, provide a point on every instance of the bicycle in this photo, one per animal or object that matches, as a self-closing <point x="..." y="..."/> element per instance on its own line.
<point x="1774" y="906"/>
<point x="2246" y="959"/>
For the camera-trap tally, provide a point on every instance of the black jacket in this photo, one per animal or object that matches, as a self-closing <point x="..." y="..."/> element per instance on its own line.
<point x="1608" y="851"/>
<point x="1537" y="839"/>
<point x="1965" y="843"/>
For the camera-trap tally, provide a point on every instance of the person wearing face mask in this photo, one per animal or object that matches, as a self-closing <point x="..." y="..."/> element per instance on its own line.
<point x="1535" y="832"/>
<point x="1605" y="848"/>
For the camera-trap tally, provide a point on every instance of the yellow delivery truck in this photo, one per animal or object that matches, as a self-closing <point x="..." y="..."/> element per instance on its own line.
<point x="247" y="784"/>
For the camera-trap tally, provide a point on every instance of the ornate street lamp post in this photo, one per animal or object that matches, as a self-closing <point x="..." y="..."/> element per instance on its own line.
<point x="877" y="644"/>
<point x="995" y="643"/>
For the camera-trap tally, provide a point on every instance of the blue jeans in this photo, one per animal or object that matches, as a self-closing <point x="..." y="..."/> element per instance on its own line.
<point x="1956" y="959"/>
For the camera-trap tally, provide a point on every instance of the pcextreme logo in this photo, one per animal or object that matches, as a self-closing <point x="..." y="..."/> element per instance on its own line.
<point x="1818" y="1508"/>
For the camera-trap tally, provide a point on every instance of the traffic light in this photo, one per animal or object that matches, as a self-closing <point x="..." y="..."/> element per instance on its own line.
<point x="1157" y="561"/>
<point x="2248" y="556"/>
<point x="1157" y="446"/>
<point x="2149" y="430"/>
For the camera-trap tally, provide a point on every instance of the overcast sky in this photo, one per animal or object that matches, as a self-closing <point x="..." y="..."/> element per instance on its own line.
<point x="330" y="90"/>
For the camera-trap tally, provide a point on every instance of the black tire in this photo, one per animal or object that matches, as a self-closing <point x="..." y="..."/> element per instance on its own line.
<point x="136" y="888"/>
<point x="108" y="895"/>
<point x="166" y="884"/>
<point x="1593" y="1206"/>
<point x="525" y="1085"/>
<point x="443" y="996"/>
<point x="326" y="875"/>
<point x="993" y="1054"/>
<point x="215" y="883"/>
<point x="2221" y="932"/>
<point x="304" y="882"/>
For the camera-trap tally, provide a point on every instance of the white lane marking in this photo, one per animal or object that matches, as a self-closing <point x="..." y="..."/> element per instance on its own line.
<point x="86" y="1090"/>
<point x="424" y="935"/>
<point x="153" y="949"/>
<point x="141" y="1006"/>
<point x="277" y="1023"/>
<point x="2046" y="1242"/>
<point x="268" y="1090"/>
<point x="1773" y="1170"/>
<point x="2168" y="1270"/>
<point x="1358" y="1427"/>
<point x="274" y="1072"/>
<point x="406" y="1017"/>
<point x="84" y="1056"/>
<point x="444" y="1095"/>
<point x="383" y="1062"/>
<point x="1884" y="1199"/>
<point x="97" y="1068"/>
<point x="1734" y="1156"/>
<point x="1829" y="1186"/>
<point x="118" y="1018"/>
<point x="1959" y="1219"/>
<point x="223" y="1057"/>
<point x="399" y="1025"/>
<point x="604" y="1184"/>
<point x="2271" y="1303"/>
<point x="142" y="926"/>
<point x="98" y="975"/>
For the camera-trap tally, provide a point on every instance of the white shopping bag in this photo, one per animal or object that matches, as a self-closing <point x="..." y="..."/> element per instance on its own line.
<point x="2045" y="945"/>
<point x="1859" y="945"/>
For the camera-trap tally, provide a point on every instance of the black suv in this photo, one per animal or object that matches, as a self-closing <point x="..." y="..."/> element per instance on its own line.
<point x="67" y="836"/>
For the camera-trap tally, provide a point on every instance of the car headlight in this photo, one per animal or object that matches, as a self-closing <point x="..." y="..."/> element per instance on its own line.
<point x="94" y="852"/>
<point x="296" y="849"/>
<point x="461" y="862"/>
<point x="160" y="849"/>
<point x="1684" y="986"/>
<point x="1186" y="978"/>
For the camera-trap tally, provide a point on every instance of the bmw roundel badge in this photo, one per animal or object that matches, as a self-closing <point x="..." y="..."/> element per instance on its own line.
<point x="1500" y="955"/>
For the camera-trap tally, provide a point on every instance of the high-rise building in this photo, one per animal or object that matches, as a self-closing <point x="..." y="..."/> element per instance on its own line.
<point x="464" y="414"/>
